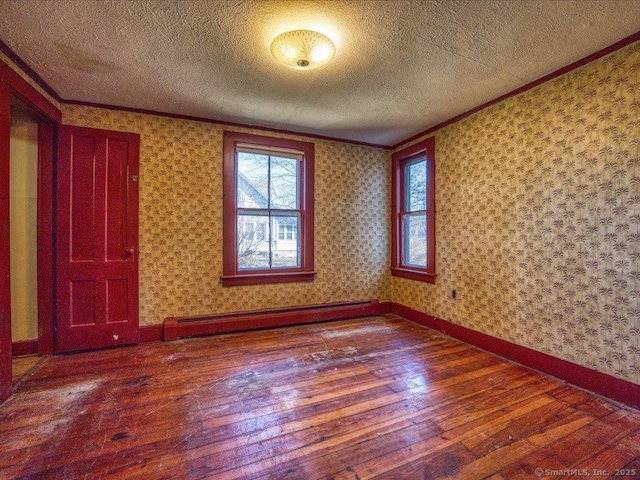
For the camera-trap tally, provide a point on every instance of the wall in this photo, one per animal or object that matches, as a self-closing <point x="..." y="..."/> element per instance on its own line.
<point x="181" y="219"/>
<point x="538" y="219"/>
<point x="23" y="204"/>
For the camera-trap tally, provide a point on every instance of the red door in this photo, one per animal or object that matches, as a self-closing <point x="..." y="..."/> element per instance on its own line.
<point x="97" y="242"/>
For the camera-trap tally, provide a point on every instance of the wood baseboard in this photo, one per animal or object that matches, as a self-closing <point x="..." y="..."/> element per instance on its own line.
<point x="175" y="327"/>
<point x="24" y="347"/>
<point x="592" y="380"/>
<point x="385" y="307"/>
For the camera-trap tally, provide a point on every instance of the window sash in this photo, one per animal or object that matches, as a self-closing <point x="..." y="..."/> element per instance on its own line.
<point x="272" y="236"/>
<point x="407" y="166"/>
<point x="409" y="246"/>
<point x="270" y="181"/>
<point x="272" y="213"/>
<point x="273" y="151"/>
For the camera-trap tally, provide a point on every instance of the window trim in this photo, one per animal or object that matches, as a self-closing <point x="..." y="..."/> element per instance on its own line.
<point x="231" y="275"/>
<point x="399" y="160"/>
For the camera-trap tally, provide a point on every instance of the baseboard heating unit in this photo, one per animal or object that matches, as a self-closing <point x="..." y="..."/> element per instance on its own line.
<point x="179" y="327"/>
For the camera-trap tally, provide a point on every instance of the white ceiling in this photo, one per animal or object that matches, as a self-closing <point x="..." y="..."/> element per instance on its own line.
<point x="400" y="67"/>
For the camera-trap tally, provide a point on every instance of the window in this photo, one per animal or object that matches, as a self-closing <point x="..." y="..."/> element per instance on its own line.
<point x="413" y="228"/>
<point x="287" y="232"/>
<point x="268" y="210"/>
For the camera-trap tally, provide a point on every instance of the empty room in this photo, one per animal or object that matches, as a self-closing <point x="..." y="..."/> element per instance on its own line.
<point x="272" y="239"/>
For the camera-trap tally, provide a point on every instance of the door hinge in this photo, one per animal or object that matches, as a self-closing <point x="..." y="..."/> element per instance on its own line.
<point x="134" y="178"/>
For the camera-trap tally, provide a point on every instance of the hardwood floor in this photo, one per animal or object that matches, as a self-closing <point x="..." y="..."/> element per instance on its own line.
<point x="368" y="398"/>
<point x="23" y="365"/>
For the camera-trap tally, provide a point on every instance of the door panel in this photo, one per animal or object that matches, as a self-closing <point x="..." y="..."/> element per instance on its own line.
<point x="83" y="303"/>
<point x="117" y="301"/>
<point x="97" y="240"/>
<point x="117" y="236"/>
<point x="81" y="174"/>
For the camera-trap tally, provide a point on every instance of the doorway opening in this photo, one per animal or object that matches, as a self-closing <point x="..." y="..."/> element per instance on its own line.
<point x="23" y="222"/>
<point x="21" y="103"/>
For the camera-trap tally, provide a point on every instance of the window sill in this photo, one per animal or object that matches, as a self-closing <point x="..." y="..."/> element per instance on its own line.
<point x="420" y="276"/>
<point x="265" y="278"/>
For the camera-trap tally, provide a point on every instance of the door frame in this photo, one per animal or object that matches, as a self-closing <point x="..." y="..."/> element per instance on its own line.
<point x="45" y="240"/>
<point x="14" y="89"/>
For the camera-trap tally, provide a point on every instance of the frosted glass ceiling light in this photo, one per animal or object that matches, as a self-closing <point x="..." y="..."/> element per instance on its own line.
<point x="302" y="49"/>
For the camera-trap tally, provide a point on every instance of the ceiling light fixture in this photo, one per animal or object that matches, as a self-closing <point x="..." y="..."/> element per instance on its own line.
<point x="302" y="49"/>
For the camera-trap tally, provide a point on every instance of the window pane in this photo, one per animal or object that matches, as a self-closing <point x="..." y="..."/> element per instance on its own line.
<point x="284" y="183"/>
<point x="416" y="186"/>
<point x="253" y="180"/>
<point x="415" y="239"/>
<point x="285" y="250"/>
<point x="253" y="241"/>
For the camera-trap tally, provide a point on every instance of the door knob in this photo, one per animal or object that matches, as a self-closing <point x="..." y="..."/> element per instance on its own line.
<point x="130" y="251"/>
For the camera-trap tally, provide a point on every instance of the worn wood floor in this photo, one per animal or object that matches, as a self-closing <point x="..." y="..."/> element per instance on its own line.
<point x="368" y="398"/>
<point x="22" y="366"/>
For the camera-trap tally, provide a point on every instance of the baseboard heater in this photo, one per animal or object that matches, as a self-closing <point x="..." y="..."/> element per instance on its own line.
<point x="178" y="327"/>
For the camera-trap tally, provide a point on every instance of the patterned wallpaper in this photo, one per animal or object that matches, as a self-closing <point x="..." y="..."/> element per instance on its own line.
<point x="181" y="219"/>
<point x="538" y="219"/>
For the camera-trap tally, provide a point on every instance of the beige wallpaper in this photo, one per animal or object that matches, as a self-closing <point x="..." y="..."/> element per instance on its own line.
<point x="181" y="220"/>
<point x="538" y="219"/>
<point x="23" y="198"/>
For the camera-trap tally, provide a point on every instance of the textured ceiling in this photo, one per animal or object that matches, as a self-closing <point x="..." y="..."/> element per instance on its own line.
<point x="400" y="67"/>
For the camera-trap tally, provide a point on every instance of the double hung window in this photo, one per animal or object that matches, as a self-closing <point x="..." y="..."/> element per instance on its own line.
<point x="413" y="227"/>
<point x="268" y="210"/>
